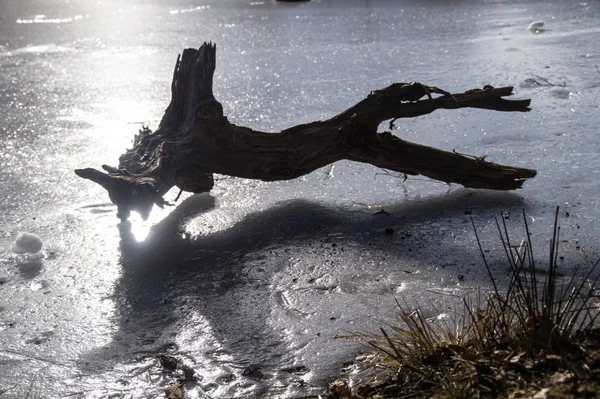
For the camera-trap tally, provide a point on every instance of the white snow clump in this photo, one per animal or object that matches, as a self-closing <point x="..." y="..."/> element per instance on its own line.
<point x="27" y="243"/>
<point x="536" y="26"/>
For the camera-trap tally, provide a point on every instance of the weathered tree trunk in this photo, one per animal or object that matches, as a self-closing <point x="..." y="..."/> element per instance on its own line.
<point x="194" y="140"/>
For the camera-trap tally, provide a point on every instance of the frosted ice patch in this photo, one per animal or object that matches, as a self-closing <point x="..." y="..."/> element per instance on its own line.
<point x="27" y="243"/>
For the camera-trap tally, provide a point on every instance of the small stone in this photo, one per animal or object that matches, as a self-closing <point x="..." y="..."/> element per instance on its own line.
<point x="296" y="369"/>
<point x="253" y="371"/>
<point x="168" y="362"/>
<point x="174" y="392"/>
<point x="389" y="231"/>
<point x="340" y="388"/>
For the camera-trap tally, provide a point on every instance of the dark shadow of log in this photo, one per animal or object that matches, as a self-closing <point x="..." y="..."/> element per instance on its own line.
<point x="222" y="277"/>
<point x="195" y="140"/>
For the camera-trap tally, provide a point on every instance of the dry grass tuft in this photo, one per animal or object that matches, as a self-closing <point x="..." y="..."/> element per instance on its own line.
<point x="537" y="336"/>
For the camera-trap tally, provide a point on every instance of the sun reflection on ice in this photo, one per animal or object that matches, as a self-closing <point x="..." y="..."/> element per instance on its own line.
<point x="114" y="125"/>
<point x="140" y="229"/>
<point x="43" y="19"/>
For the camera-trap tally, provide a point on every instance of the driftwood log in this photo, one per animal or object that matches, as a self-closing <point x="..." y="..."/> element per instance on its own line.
<point x="195" y="140"/>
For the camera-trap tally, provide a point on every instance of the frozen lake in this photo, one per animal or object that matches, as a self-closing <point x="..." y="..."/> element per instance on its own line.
<point x="251" y="284"/>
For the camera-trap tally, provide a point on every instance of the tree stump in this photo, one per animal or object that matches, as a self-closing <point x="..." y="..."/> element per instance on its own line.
<point x="195" y="140"/>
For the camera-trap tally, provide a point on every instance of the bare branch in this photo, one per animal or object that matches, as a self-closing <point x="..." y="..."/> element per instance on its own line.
<point x="195" y="140"/>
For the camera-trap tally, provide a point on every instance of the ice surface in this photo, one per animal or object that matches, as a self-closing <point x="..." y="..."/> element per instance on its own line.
<point x="264" y="276"/>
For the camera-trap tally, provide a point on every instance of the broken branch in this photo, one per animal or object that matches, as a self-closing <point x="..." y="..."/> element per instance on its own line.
<point x="195" y="140"/>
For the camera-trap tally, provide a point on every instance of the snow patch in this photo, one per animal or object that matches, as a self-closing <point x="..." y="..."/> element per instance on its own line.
<point x="537" y="27"/>
<point x="27" y="243"/>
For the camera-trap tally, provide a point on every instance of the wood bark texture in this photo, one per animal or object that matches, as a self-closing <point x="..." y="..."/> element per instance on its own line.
<point x="195" y="140"/>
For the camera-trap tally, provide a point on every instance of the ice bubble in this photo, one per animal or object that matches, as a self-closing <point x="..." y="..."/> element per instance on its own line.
<point x="27" y="243"/>
<point x="536" y="26"/>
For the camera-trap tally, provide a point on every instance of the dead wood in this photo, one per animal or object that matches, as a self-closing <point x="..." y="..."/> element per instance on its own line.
<point x="195" y="140"/>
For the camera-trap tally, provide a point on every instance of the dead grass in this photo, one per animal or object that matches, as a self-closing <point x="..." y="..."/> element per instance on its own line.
<point x="537" y="337"/>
